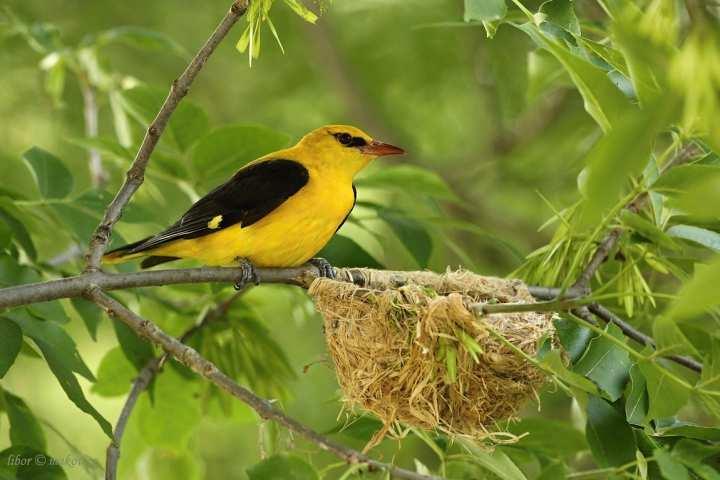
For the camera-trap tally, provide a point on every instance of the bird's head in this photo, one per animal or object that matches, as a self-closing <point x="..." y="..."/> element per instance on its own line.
<point x="345" y="147"/>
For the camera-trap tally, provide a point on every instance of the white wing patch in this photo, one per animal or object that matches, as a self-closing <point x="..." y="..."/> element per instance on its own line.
<point x="215" y="222"/>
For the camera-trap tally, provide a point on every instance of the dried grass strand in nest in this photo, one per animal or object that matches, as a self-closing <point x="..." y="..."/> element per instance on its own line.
<point x="406" y="347"/>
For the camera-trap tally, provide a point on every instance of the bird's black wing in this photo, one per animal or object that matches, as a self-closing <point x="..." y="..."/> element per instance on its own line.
<point x="247" y="197"/>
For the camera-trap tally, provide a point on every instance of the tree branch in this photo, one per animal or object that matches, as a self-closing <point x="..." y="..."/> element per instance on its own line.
<point x="265" y="409"/>
<point x="136" y="174"/>
<point x="71" y="287"/>
<point x="140" y="384"/>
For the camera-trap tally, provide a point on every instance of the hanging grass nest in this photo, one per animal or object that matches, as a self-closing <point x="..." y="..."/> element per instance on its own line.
<point x="407" y="348"/>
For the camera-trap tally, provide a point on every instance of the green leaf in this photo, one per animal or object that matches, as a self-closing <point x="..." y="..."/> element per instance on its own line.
<point x="665" y="396"/>
<point x="484" y="10"/>
<point x="611" y="439"/>
<point x="141" y="38"/>
<point x="645" y="65"/>
<point x="548" y="437"/>
<point x="22" y="237"/>
<point x="115" y="374"/>
<point x="82" y="221"/>
<point x="63" y="359"/>
<point x="282" y="467"/>
<point x="361" y="428"/>
<point x="606" y="364"/>
<point x="636" y="397"/>
<point x="647" y="229"/>
<point x="25" y="430"/>
<point x="670" y="338"/>
<point x="464" y="470"/>
<point x="343" y="251"/>
<point x="398" y="177"/>
<point x="603" y="101"/>
<point x="51" y="337"/>
<point x="553" y="471"/>
<point x="10" y="344"/>
<point x="689" y="430"/>
<point x="701" y="236"/>
<point x="621" y="153"/>
<point x="669" y="467"/>
<point x="498" y="463"/>
<point x="701" y="292"/>
<point x="175" y="412"/>
<point x="59" y="365"/>
<point x="301" y="10"/>
<point x="224" y="150"/>
<point x="685" y="177"/>
<point x="90" y="314"/>
<point x="573" y="337"/>
<point x="106" y="146"/>
<point x="411" y="233"/>
<point x="710" y="376"/>
<point x="52" y="311"/>
<point x="52" y="178"/>
<point x="164" y="464"/>
<point x="12" y="273"/>
<point x="5" y="235"/>
<point x="54" y="77"/>
<point x="562" y="14"/>
<point x="553" y="362"/>
<point x="692" y="452"/>
<point x="137" y="351"/>
<point x="702" y="199"/>
<point x="187" y="125"/>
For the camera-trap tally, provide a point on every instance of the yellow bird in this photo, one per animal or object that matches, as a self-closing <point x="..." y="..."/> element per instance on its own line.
<point x="277" y="211"/>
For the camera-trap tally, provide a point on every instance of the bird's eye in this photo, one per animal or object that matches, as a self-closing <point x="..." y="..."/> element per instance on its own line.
<point x="344" y="138"/>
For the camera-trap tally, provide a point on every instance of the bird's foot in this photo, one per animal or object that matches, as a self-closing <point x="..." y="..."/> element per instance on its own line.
<point x="326" y="270"/>
<point x="248" y="274"/>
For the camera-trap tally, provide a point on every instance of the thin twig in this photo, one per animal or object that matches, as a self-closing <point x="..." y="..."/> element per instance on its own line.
<point x="145" y="376"/>
<point x="143" y="380"/>
<point x="136" y="174"/>
<point x="265" y="409"/>
<point x="549" y="293"/>
<point x="609" y="317"/>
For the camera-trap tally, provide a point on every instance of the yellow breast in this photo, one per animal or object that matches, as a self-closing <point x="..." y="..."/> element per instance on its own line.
<point x="288" y="236"/>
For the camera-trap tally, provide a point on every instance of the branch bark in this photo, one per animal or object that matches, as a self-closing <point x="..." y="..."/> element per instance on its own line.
<point x="71" y="287"/>
<point x="265" y="409"/>
<point x="136" y="174"/>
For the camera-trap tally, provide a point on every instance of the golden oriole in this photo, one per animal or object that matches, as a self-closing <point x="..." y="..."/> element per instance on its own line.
<point x="276" y="211"/>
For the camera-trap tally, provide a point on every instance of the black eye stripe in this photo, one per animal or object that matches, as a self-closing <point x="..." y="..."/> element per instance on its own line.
<point x="357" y="142"/>
<point x="348" y="140"/>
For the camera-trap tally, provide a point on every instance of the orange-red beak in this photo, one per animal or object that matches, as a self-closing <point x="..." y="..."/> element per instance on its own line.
<point x="379" y="149"/>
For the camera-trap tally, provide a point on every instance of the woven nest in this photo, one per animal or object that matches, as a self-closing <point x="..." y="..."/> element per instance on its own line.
<point x="393" y="341"/>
